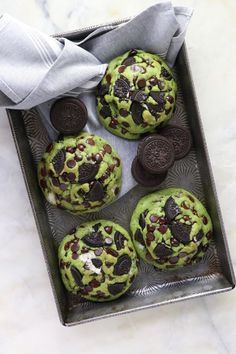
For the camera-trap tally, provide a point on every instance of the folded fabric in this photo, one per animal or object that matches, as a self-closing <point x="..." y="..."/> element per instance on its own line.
<point x="36" y="67"/>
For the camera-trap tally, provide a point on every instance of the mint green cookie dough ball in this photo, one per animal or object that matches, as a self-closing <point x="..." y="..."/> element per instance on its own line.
<point x="136" y="95"/>
<point x="170" y="228"/>
<point x="80" y="173"/>
<point x="98" y="260"/>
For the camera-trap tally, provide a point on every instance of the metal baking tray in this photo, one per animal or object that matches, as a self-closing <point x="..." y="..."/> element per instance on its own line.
<point x="214" y="274"/>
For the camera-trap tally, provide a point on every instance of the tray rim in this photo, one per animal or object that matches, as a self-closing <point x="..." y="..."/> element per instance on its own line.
<point x="232" y="281"/>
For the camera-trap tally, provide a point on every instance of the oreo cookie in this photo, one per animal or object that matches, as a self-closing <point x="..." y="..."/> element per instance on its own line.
<point x="87" y="172"/>
<point x="180" y="138"/>
<point x="59" y="160"/>
<point x="156" y="154"/>
<point x="68" y="115"/>
<point x="145" y="178"/>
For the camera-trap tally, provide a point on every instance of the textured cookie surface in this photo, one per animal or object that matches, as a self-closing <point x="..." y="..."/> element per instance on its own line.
<point x="98" y="260"/>
<point x="136" y="95"/>
<point x="170" y="228"/>
<point x="80" y="174"/>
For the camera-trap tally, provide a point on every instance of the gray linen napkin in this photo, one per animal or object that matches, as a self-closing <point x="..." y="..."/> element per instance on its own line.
<point x="36" y="68"/>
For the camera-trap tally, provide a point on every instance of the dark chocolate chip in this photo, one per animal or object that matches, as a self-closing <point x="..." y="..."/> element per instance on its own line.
<point x="123" y="112"/>
<point x="55" y="181"/>
<point x="97" y="157"/>
<point x="129" y="61"/>
<point x="145" y="178"/>
<point x="138" y="236"/>
<point x="170" y="99"/>
<point x="94" y="239"/>
<point x="74" y="247"/>
<point x="181" y="232"/>
<point x="71" y="176"/>
<point x="112" y="252"/>
<point x="204" y="220"/>
<point x="137" y="113"/>
<point x="96" y="262"/>
<point x="108" y="78"/>
<point x="171" y="209"/>
<point x="108" y="264"/>
<point x="121" y="69"/>
<point x="162" y="251"/>
<point x="96" y="193"/>
<point x="98" y="251"/>
<point x="141" y="83"/>
<point x="90" y="141"/>
<point x="107" y="148"/>
<point x="108" y="229"/>
<point x="87" y="172"/>
<point x="156" y="154"/>
<point x="77" y="276"/>
<point x="121" y="88"/>
<point x="180" y="138"/>
<point x="174" y="260"/>
<point x="69" y="115"/>
<point x="123" y="265"/>
<point x="105" y="111"/>
<point x="153" y="81"/>
<point x="163" y="228"/>
<point x="71" y="163"/>
<point x="119" y="240"/>
<point x="63" y="187"/>
<point x="81" y="147"/>
<point x="58" y="161"/>
<point x="116" y="288"/>
<point x="94" y="283"/>
<point x="124" y="131"/>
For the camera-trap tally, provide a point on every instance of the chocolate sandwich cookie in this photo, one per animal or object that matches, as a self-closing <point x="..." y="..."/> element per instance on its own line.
<point x="69" y="115"/>
<point x="136" y="95"/>
<point x="171" y="228"/>
<point x="156" y="154"/>
<point x="98" y="260"/>
<point x="180" y="138"/>
<point x="145" y="178"/>
<point x="80" y="173"/>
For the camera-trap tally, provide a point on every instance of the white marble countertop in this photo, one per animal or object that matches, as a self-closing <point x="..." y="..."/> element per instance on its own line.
<point x="28" y="318"/>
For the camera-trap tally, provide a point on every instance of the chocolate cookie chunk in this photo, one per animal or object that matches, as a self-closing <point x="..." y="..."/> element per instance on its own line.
<point x="94" y="239"/>
<point x="145" y="178"/>
<point x="180" y="138"/>
<point x="156" y="154"/>
<point x="58" y="161"/>
<point x="123" y="265"/>
<point x="171" y="209"/>
<point x="68" y="115"/>
<point x="87" y="172"/>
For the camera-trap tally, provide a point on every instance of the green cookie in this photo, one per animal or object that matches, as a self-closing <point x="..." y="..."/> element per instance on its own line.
<point x="80" y="173"/>
<point x="170" y="228"/>
<point x="98" y="260"/>
<point x="136" y="95"/>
